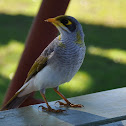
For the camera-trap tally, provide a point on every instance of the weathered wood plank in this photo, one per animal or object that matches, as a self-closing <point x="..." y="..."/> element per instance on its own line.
<point x="106" y="108"/>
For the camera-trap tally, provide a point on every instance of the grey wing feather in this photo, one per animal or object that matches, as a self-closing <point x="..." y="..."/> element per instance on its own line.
<point x="43" y="59"/>
<point x="51" y="47"/>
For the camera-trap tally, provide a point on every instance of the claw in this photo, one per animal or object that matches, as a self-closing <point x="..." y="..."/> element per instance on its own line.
<point x="76" y="105"/>
<point x="70" y="104"/>
<point x="49" y="109"/>
<point x="61" y="103"/>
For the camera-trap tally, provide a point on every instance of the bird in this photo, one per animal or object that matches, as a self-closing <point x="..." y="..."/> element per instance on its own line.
<point x="56" y="65"/>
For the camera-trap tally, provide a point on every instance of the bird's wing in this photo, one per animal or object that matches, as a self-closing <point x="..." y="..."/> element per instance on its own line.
<point x="39" y="64"/>
<point x="42" y="60"/>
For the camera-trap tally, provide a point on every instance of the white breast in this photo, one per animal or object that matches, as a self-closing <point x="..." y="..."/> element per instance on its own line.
<point x="48" y="77"/>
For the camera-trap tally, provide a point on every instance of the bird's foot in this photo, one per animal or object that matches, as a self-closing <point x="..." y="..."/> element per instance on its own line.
<point x="70" y="104"/>
<point x="49" y="109"/>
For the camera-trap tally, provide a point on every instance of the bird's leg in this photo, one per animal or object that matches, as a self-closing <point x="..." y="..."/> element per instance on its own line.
<point x="67" y="104"/>
<point x="49" y="109"/>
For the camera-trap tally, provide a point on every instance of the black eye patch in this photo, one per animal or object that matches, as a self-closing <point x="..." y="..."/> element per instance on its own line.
<point x="68" y="23"/>
<point x="64" y="21"/>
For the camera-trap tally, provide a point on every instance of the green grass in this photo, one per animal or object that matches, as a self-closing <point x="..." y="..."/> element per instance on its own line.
<point x="104" y="24"/>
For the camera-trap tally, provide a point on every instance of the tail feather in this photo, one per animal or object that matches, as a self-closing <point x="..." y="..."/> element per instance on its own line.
<point x="15" y="102"/>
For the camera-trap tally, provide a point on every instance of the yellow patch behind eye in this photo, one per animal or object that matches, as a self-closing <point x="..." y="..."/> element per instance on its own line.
<point x="69" y="23"/>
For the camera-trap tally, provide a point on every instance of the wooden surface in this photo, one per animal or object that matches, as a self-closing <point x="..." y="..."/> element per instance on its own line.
<point x="106" y="108"/>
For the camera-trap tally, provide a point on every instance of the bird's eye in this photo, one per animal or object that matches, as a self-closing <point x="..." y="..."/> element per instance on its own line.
<point x="69" y="23"/>
<point x="66" y="22"/>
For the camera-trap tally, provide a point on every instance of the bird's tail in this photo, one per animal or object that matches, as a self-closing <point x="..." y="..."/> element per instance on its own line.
<point x="15" y="102"/>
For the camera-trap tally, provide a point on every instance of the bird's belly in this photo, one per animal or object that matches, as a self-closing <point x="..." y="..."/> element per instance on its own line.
<point x="51" y="77"/>
<point x="48" y="77"/>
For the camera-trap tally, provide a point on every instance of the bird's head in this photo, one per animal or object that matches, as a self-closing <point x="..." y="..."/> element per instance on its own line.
<point x="67" y="25"/>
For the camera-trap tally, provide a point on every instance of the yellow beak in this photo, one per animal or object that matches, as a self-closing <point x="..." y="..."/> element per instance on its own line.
<point x="50" y="20"/>
<point x="53" y="21"/>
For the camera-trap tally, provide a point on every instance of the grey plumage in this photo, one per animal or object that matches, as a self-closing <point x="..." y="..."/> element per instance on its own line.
<point x="58" y="63"/>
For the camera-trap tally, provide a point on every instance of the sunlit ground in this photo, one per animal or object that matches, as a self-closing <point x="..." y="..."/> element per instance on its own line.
<point x="104" y="24"/>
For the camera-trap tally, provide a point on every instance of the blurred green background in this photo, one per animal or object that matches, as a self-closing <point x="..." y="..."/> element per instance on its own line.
<point x="104" y="25"/>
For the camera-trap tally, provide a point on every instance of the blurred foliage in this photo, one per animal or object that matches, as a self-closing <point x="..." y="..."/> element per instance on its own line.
<point x="104" y="25"/>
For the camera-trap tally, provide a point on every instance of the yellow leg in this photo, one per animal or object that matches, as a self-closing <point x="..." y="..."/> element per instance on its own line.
<point x="68" y="104"/>
<point x="49" y="109"/>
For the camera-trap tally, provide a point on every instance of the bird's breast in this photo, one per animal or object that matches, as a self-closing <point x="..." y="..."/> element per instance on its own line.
<point x="68" y="61"/>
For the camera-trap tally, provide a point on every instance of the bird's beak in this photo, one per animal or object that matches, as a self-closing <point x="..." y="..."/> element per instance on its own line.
<point x="50" y="20"/>
<point x="53" y="21"/>
<point x="57" y="23"/>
